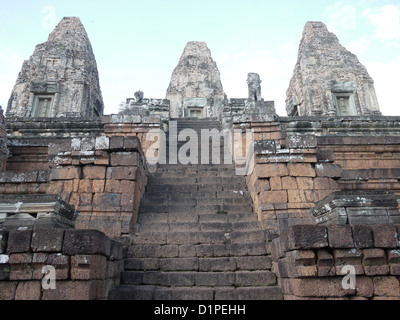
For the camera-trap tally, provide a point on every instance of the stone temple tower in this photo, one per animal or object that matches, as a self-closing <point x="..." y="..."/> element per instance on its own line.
<point x="60" y="79"/>
<point x="195" y="89"/>
<point x="3" y="141"/>
<point x="329" y="80"/>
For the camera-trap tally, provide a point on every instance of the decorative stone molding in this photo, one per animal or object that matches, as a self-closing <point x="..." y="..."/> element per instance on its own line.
<point x="38" y="211"/>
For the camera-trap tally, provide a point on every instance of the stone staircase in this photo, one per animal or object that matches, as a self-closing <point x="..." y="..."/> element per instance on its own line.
<point x="197" y="238"/>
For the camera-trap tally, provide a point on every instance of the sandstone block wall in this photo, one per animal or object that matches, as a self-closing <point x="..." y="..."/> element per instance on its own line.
<point x="311" y="260"/>
<point x="301" y="161"/>
<point x="87" y="264"/>
<point x="103" y="177"/>
<point x="102" y="172"/>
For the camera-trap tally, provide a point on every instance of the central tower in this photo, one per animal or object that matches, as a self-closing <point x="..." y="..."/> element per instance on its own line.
<point x="195" y="89"/>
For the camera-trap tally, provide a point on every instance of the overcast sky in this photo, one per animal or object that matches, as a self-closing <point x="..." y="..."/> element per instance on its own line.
<point x="138" y="44"/>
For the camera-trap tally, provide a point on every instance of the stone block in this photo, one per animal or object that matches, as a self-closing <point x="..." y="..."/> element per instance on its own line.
<point x="273" y="197"/>
<point x="375" y="262"/>
<point x="259" y="293"/>
<point x="328" y="170"/>
<point x="102" y="143"/>
<point x="116" y="143"/>
<point x="319" y="287"/>
<point x="289" y="183"/>
<point x="301" y="170"/>
<point x="364" y="287"/>
<point x="385" y="236"/>
<point x="124" y="159"/>
<point x="132" y="143"/>
<point x="325" y="155"/>
<point x="305" y="183"/>
<point x="297" y="141"/>
<point x="7" y="290"/>
<point x="271" y="170"/>
<point x="253" y="263"/>
<point x="394" y="261"/>
<point x="255" y="278"/>
<point x="47" y="240"/>
<point x="65" y="173"/>
<point x="325" y="264"/>
<point x="323" y="183"/>
<point x="98" y="186"/>
<point x="340" y="236"/>
<point x="86" y="242"/>
<point x="301" y="263"/>
<point x="94" y="172"/>
<point x="275" y="183"/>
<point x="85" y="186"/>
<point x="74" y="290"/>
<point x="362" y="236"/>
<point x="348" y="257"/>
<point x="122" y="173"/>
<point x="304" y="237"/>
<point x="112" y="186"/>
<point x="107" y="201"/>
<point x="28" y="290"/>
<point x="217" y="264"/>
<point x="88" y="267"/>
<point x="21" y="266"/>
<point x="19" y="241"/>
<point x="386" y="286"/>
<point x="61" y="263"/>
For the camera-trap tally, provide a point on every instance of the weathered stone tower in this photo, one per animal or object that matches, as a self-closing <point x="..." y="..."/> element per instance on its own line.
<point x="328" y="79"/>
<point x="3" y="141"/>
<point x="60" y="78"/>
<point x="195" y="89"/>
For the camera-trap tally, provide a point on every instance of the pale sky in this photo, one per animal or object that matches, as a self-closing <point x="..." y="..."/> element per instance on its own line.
<point x="138" y="44"/>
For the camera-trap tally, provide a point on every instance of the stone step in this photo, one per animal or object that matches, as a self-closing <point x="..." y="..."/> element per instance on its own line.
<point x="200" y="279"/>
<point x="197" y="250"/>
<point x="197" y="167"/>
<point x="202" y="237"/>
<point x="214" y="264"/>
<point x="192" y="173"/>
<point x="207" y="194"/>
<point x="139" y="292"/>
<point x="198" y="209"/>
<point x="145" y="218"/>
<point x="238" y="186"/>
<point x="197" y="226"/>
<point x="197" y="180"/>
<point x="173" y="200"/>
